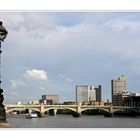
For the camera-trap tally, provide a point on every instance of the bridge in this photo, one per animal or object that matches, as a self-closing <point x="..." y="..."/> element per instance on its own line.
<point x="75" y="109"/>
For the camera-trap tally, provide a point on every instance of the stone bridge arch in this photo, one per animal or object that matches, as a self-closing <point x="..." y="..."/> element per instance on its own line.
<point x="102" y="109"/>
<point x="21" y="109"/>
<point x="71" y="109"/>
<point x="47" y="109"/>
<point x="13" y="109"/>
<point x="35" y="109"/>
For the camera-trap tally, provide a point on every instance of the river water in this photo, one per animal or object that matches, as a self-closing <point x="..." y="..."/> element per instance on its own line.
<point x="68" y="121"/>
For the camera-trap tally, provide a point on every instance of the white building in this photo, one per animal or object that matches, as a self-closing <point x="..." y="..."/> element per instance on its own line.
<point x="50" y="99"/>
<point x="85" y="93"/>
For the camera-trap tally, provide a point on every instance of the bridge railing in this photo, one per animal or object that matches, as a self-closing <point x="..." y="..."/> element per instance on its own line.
<point x="38" y="105"/>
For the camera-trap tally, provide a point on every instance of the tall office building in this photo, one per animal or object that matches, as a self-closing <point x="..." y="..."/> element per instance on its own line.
<point x="86" y="93"/>
<point x="117" y="88"/>
<point x="119" y="85"/>
<point x="98" y="93"/>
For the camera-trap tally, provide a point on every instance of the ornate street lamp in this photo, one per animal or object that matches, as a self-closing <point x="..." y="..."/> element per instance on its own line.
<point x="3" y="34"/>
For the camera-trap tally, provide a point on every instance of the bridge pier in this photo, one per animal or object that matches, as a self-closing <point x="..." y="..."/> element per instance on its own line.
<point x="41" y="115"/>
<point x="53" y="112"/>
<point x="78" y="113"/>
<point x="110" y="113"/>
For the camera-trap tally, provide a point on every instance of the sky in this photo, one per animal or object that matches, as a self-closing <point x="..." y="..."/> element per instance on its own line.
<point x="52" y="52"/>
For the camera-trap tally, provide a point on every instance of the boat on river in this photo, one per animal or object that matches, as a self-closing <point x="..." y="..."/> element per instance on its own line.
<point x="13" y="113"/>
<point x="31" y="115"/>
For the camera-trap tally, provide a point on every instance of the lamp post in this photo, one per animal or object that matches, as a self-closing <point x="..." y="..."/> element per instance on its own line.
<point x="3" y="34"/>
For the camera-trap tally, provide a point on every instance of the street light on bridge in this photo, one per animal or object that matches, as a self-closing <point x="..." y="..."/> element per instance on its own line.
<point x="3" y="34"/>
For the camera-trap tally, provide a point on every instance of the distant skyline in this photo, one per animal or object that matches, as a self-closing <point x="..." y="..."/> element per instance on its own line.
<point x="52" y="52"/>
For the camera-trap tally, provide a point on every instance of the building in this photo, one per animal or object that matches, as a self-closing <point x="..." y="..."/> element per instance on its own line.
<point x="40" y="101"/>
<point x="33" y="102"/>
<point x="69" y="103"/>
<point x="98" y="93"/>
<point x="132" y="101"/>
<point x="96" y="103"/>
<point x="81" y="93"/>
<point x="88" y="93"/>
<point x="50" y="99"/>
<point x="85" y="93"/>
<point x="107" y="103"/>
<point x="119" y="99"/>
<point x="118" y="86"/>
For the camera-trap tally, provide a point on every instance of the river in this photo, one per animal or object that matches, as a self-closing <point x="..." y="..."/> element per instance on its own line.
<point x="67" y="121"/>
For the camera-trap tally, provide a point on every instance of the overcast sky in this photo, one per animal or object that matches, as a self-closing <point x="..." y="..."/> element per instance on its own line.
<point x="52" y="52"/>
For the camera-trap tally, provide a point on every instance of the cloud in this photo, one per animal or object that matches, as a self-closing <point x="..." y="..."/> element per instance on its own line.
<point x="61" y="76"/>
<point x="64" y="77"/>
<point x="36" y="74"/>
<point x="17" y="83"/>
<point x="42" y="88"/>
<point x="90" y="47"/>
<point x="69" y="80"/>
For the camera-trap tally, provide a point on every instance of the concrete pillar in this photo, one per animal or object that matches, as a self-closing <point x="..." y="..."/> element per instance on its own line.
<point x="78" y="114"/>
<point x="29" y="110"/>
<point x="53" y="112"/>
<point x="79" y="108"/>
<point x="41" y="115"/>
<point x="41" y="111"/>
<point x="111" y="109"/>
<point x="110" y="113"/>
